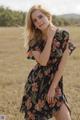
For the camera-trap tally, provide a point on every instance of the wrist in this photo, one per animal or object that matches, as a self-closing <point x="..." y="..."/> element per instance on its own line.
<point x="49" y="40"/>
<point x="53" y="85"/>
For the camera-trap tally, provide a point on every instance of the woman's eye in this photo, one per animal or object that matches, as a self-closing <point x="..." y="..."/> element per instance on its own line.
<point x="40" y="16"/>
<point x="34" y="20"/>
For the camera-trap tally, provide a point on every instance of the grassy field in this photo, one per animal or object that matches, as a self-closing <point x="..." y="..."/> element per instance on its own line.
<point x="14" y="69"/>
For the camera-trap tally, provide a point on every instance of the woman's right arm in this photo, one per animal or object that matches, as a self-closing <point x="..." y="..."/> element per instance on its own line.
<point x="43" y="57"/>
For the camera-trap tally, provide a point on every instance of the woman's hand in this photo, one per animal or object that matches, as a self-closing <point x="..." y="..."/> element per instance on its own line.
<point x="50" y="95"/>
<point x="51" y="32"/>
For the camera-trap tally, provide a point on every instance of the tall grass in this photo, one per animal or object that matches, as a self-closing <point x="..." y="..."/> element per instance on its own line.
<point x="14" y="69"/>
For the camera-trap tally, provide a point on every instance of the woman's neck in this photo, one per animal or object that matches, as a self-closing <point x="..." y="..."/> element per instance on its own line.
<point x="44" y="33"/>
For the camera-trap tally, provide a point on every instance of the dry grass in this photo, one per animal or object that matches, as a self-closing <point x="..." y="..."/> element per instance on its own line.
<point x="14" y="68"/>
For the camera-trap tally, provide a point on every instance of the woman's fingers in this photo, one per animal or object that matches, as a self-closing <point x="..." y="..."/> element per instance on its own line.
<point x="50" y="100"/>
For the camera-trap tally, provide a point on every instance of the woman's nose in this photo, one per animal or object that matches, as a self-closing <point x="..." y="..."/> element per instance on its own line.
<point x="38" y="21"/>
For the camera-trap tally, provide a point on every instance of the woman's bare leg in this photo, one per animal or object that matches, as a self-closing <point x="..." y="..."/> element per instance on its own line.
<point x="63" y="113"/>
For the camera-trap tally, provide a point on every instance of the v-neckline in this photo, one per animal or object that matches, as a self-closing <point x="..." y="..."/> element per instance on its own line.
<point x="44" y="41"/>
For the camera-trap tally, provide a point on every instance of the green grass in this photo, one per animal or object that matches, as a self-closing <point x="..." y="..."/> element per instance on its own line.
<point x="14" y="69"/>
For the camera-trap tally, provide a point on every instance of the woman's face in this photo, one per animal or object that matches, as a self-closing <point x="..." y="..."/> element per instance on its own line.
<point x="40" y="20"/>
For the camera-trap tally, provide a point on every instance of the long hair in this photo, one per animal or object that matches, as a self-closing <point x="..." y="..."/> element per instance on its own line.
<point x="32" y="34"/>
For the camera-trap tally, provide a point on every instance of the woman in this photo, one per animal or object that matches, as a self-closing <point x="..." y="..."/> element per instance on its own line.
<point x="50" y="47"/>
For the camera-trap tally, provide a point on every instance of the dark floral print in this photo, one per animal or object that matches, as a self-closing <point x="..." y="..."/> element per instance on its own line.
<point x="39" y="105"/>
<point x="34" y="87"/>
<point x="28" y="103"/>
<point x="30" y="115"/>
<point x="34" y="102"/>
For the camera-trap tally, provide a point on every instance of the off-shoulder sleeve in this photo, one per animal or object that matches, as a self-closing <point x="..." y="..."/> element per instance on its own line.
<point x="29" y="51"/>
<point x="67" y="42"/>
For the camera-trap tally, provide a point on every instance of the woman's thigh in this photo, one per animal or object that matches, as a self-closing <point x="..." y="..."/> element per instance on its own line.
<point x="63" y="113"/>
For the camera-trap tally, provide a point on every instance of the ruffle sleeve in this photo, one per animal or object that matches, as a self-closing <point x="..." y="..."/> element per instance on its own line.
<point x="65" y="41"/>
<point x="34" y="47"/>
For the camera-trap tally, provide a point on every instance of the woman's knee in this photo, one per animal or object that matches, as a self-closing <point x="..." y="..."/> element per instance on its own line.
<point x="66" y="111"/>
<point x="63" y="113"/>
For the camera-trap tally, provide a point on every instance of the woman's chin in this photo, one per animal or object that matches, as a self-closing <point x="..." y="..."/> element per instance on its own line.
<point x="43" y="28"/>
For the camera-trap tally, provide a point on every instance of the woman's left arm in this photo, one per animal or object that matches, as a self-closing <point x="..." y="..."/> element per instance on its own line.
<point x="58" y="74"/>
<point x="61" y="67"/>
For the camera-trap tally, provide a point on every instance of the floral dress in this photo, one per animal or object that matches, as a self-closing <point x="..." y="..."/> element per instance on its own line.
<point x="34" y="103"/>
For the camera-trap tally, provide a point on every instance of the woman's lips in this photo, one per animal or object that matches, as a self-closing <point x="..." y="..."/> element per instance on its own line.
<point x="40" y="25"/>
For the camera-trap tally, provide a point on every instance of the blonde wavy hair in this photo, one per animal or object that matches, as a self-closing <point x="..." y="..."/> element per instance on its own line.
<point x="32" y="35"/>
